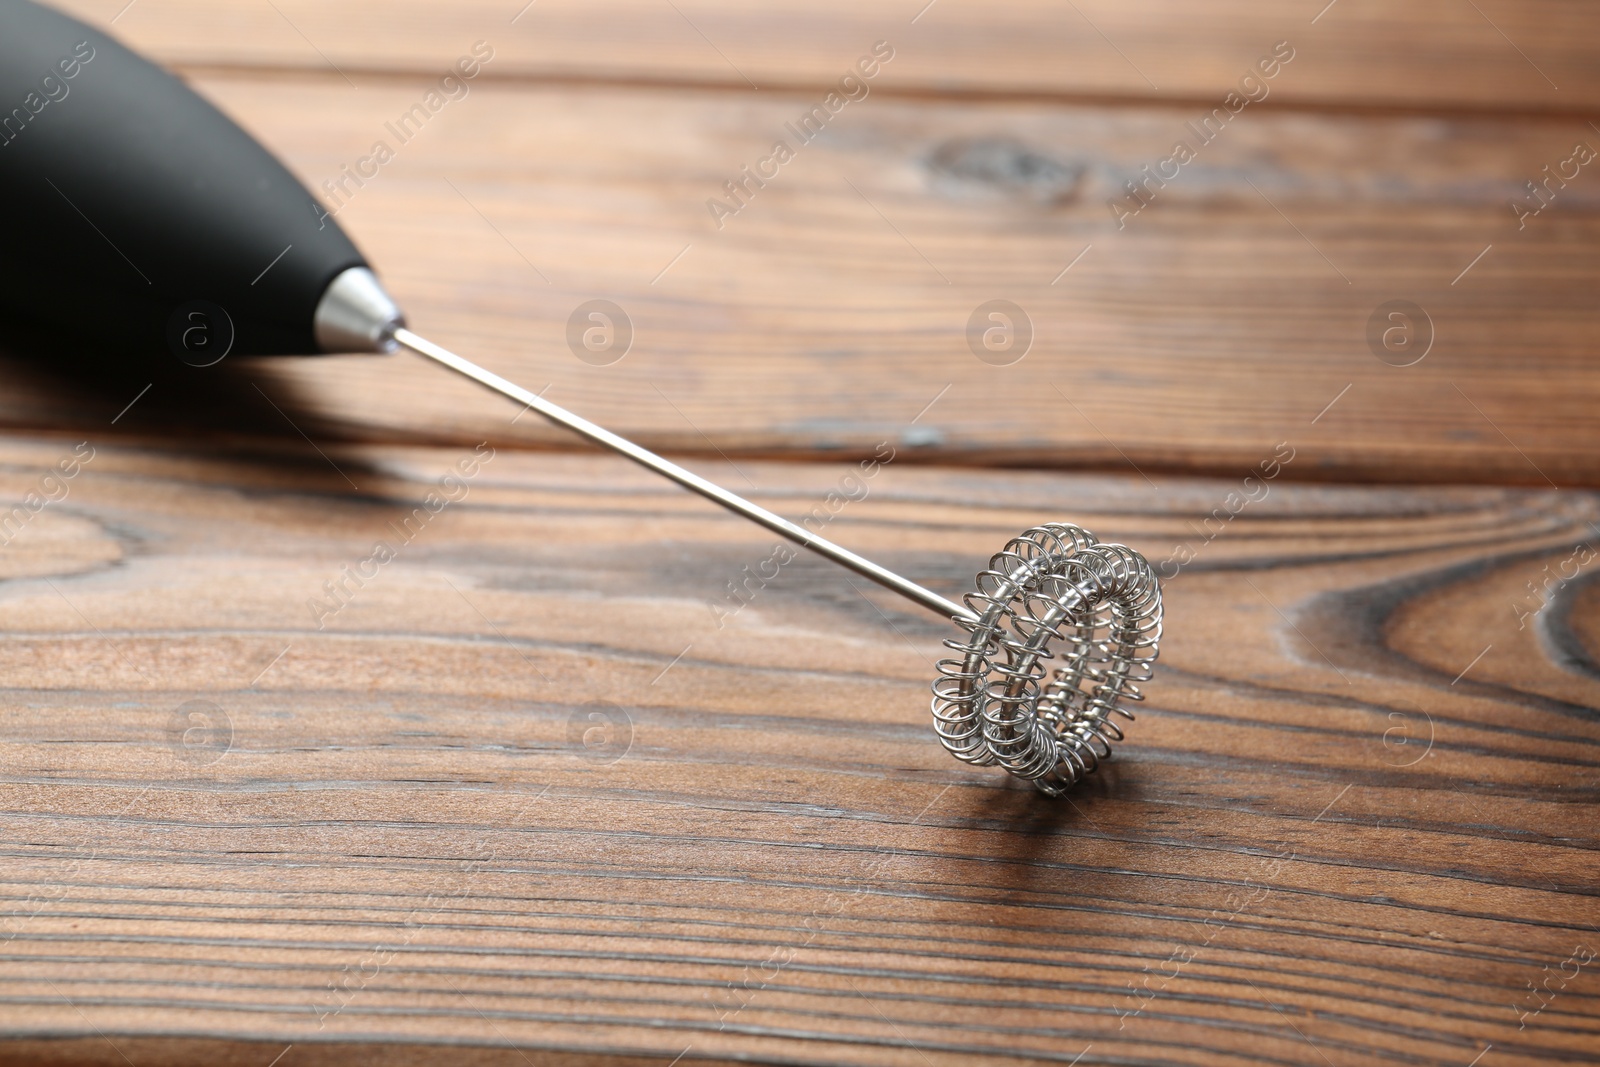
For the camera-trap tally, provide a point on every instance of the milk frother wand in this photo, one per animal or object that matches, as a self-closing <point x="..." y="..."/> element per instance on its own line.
<point x="144" y="220"/>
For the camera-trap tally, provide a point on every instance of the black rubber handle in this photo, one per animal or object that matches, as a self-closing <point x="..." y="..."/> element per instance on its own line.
<point x="133" y="209"/>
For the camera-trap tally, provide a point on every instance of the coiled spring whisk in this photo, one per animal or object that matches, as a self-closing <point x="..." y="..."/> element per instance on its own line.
<point x="1053" y="587"/>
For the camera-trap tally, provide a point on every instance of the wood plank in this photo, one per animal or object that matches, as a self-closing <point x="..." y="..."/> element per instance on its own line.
<point x="398" y="846"/>
<point x="1492" y="55"/>
<point x="1229" y="314"/>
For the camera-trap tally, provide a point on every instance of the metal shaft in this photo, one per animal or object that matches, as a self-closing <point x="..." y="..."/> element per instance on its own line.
<point x="688" y="479"/>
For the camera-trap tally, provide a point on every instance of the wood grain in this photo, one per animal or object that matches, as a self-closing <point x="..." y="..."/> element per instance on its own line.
<point x="1343" y="827"/>
<point x="1491" y="55"/>
<point x="1229" y="314"/>
<point x="539" y="794"/>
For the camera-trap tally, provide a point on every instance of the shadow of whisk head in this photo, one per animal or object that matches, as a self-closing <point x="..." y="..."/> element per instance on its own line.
<point x="1052" y="592"/>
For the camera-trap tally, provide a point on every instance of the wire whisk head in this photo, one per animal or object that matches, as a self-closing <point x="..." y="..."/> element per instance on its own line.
<point x="1054" y="590"/>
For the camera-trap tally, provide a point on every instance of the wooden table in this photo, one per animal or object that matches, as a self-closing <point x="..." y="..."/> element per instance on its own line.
<point x="534" y="792"/>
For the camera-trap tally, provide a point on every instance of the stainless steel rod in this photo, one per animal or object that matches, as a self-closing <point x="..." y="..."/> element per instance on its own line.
<point x="688" y="479"/>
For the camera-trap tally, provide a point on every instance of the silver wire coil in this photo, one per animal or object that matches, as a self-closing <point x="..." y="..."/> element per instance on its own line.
<point x="1055" y="585"/>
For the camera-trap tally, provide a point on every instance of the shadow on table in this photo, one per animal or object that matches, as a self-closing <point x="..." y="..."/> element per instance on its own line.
<point x="235" y="406"/>
<point x="1029" y="829"/>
